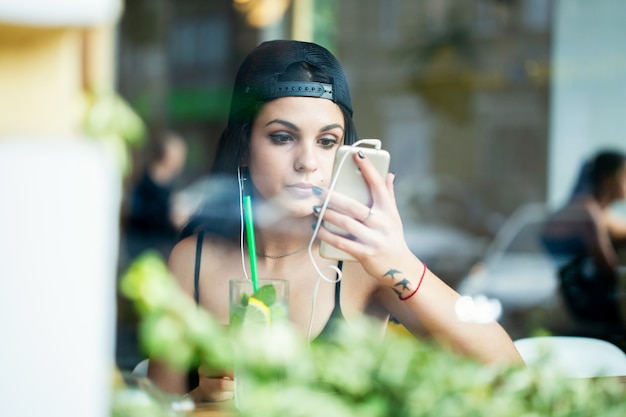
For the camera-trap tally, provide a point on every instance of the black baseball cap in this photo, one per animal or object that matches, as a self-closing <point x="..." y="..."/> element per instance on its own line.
<point x="289" y="68"/>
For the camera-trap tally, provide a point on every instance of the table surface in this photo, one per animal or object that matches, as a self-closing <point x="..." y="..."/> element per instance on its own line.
<point x="226" y="408"/>
<point x="218" y="409"/>
<point x="621" y="379"/>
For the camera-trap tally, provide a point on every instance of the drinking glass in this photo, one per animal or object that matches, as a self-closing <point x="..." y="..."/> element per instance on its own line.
<point x="251" y="311"/>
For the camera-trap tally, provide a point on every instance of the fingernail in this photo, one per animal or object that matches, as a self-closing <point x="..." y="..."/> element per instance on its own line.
<point x="361" y="154"/>
<point x="317" y="190"/>
<point x="313" y="226"/>
<point x="317" y="209"/>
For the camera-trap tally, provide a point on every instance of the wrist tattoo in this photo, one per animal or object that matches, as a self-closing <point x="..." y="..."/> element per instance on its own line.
<point x="402" y="285"/>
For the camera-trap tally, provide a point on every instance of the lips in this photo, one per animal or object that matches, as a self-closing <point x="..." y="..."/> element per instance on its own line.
<point x="301" y="190"/>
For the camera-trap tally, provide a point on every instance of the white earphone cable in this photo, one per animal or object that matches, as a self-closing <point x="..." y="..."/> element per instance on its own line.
<point x="373" y="142"/>
<point x="241" y="226"/>
<point x="377" y="144"/>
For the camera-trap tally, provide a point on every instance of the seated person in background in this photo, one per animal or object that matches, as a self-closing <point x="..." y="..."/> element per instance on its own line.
<point x="148" y="225"/>
<point x="584" y="234"/>
<point x="151" y="223"/>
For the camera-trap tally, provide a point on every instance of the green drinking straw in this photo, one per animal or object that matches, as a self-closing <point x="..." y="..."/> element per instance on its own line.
<point x="247" y="213"/>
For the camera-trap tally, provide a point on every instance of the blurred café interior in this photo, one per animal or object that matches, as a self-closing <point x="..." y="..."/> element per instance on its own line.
<point x="487" y="107"/>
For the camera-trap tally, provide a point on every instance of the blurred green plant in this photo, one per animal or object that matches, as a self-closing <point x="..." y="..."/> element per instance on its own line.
<point x="172" y="327"/>
<point x="110" y="119"/>
<point x="351" y="374"/>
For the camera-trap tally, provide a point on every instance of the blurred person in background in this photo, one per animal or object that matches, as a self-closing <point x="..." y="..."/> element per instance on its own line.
<point x="151" y="222"/>
<point x="584" y="236"/>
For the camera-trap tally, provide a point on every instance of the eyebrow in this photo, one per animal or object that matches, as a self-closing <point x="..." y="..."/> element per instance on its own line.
<point x="331" y="127"/>
<point x="294" y="127"/>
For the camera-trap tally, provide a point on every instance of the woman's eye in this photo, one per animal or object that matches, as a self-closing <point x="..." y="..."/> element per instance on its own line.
<point x="328" y="142"/>
<point x="280" y="138"/>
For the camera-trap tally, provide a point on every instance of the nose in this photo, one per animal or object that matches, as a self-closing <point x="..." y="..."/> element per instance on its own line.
<point x="306" y="159"/>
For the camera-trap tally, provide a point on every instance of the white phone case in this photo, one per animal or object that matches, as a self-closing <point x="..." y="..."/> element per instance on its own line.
<point x="351" y="183"/>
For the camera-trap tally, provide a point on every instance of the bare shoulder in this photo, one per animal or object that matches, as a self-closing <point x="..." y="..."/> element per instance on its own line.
<point x="183" y="258"/>
<point x="184" y="253"/>
<point x="181" y="262"/>
<point x="574" y="218"/>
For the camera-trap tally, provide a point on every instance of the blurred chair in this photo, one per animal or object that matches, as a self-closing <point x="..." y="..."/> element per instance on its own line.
<point x="574" y="357"/>
<point x="141" y="369"/>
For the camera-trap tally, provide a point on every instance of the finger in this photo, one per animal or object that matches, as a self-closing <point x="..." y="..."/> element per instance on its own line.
<point x="370" y="214"/>
<point x="344" y="204"/>
<point x="371" y="175"/>
<point x="217" y="389"/>
<point x="391" y="178"/>
<point x="350" y="228"/>
<point x="207" y="372"/>
<point x="348" y="214"/>
<point x="360" y="249"/>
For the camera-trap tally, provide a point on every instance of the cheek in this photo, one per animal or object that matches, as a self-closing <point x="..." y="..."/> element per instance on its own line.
<point x="266" y="171"/>
<point x="326" y="166"/>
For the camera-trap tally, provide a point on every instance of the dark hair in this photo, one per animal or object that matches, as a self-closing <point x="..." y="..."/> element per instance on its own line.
<point x="274" y="69"/>
<point x="158" y="141"/>
<point x="606" y="164"/>
<point x="603" y="164"/>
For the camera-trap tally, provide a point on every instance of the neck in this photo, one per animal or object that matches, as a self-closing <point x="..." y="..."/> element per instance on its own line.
<point x="291" y="237"/>
<point x="603" y="199"/>
<point x="160" y="174"/>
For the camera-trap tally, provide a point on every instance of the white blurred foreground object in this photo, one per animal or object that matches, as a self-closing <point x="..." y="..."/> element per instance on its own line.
<point x="60" y="12"/>
<point x="141" y="369"/>
<point x="478" y="309"/>
<point x="58" y="256"/>
<point x="574" y="357"/>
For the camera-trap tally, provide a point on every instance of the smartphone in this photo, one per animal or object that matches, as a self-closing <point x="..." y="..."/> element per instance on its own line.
<point x="351" y="183"/>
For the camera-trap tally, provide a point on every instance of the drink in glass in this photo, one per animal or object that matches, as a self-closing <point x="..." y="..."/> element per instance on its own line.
<point x="253" y="311"/>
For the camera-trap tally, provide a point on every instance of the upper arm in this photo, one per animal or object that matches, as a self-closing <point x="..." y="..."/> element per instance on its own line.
<point x="166" y="378"/>
<point x="600" y="244"/>
<point x="181" y="263"/>
<point x="617" y="227"/>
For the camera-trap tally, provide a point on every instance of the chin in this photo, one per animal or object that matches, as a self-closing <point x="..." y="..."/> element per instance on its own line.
<point x="276" y="212"/>
<point x="299" y="210"/>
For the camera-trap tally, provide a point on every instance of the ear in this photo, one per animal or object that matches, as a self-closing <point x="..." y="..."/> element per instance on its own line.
<point x="244" y="158"/>
<point x="243" y="170"/>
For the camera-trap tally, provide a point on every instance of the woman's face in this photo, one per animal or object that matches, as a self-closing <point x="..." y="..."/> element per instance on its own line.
<point x="292" y="147"/>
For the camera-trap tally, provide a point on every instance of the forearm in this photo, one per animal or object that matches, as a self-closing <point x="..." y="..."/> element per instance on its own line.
<point x="167" y="379"/>
<point x="436" y="306"/>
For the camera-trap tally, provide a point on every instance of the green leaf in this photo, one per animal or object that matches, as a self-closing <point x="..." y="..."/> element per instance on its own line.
<point x="266" y="294"/>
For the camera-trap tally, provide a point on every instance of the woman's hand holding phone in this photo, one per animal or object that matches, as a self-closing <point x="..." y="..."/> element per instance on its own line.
<point x="348" y="180"/>
<point x="368" y="232"/>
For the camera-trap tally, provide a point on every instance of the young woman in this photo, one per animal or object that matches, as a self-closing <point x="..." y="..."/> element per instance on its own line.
<point x="585" y="234"/>
<point x="290" y="112"/>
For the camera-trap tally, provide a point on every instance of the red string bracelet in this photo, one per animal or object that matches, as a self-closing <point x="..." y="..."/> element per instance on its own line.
<point x="418" y="285"/>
